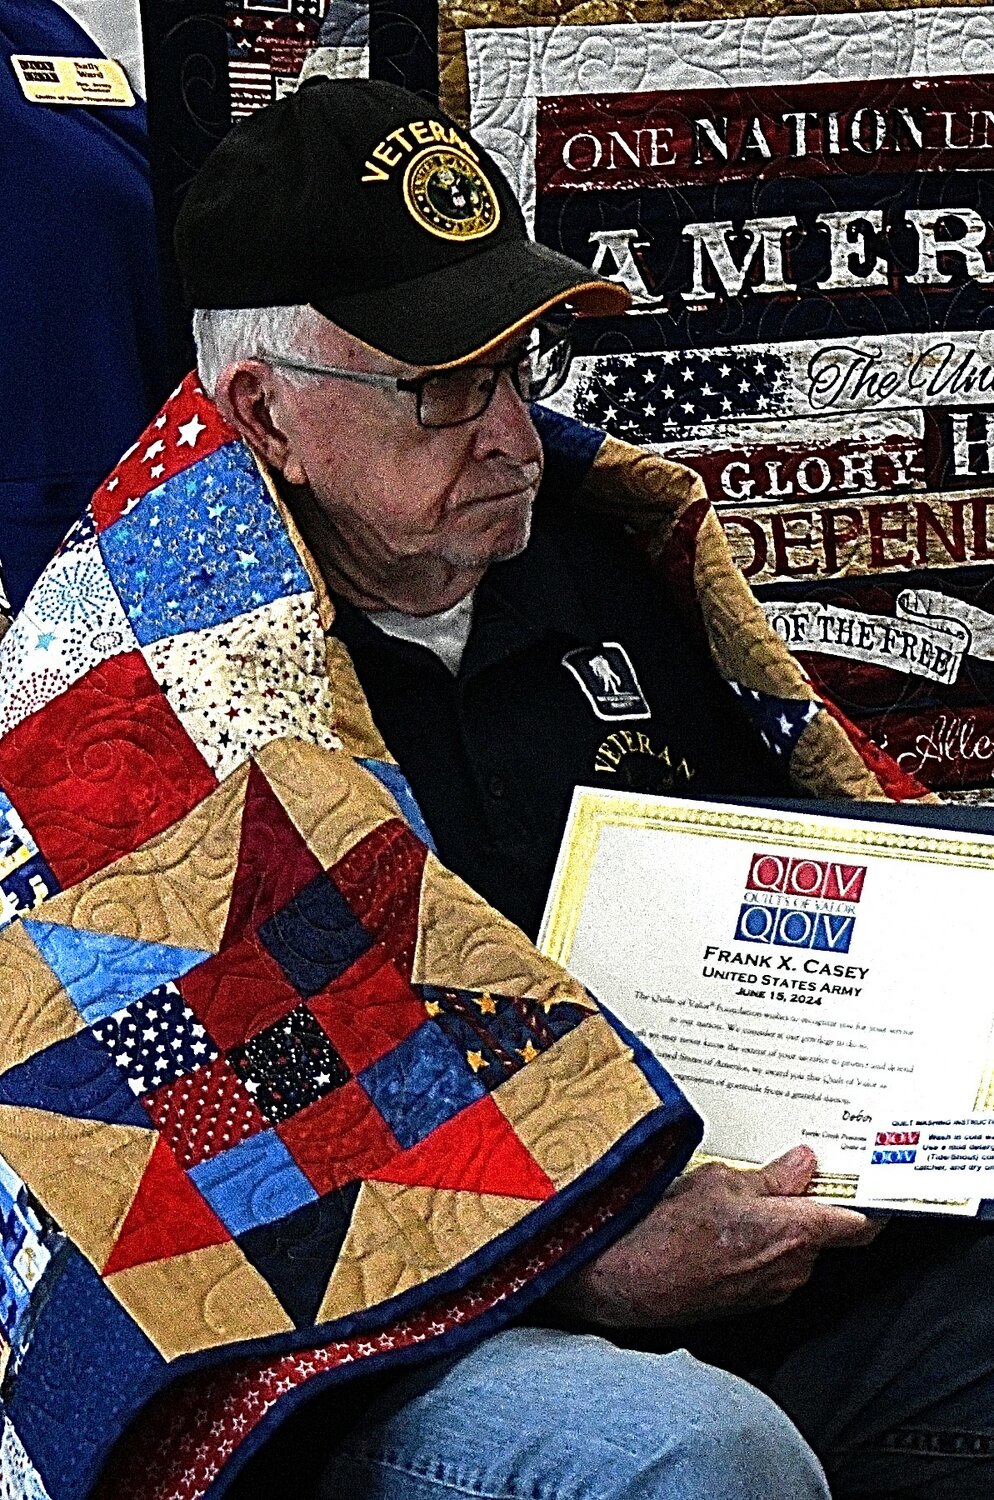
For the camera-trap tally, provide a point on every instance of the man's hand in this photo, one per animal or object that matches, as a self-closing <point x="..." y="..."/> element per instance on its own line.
<point x="721" y="1241"/>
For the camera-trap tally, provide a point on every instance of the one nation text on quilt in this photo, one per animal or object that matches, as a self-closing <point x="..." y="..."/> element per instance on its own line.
<point x="801" y="208"/>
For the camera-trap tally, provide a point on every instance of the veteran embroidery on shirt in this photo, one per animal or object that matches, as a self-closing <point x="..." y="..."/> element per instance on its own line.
<point x="634" y="762"/>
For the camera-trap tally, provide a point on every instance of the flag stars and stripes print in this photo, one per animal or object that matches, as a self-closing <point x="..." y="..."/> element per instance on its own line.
<point x="649" y="397"/>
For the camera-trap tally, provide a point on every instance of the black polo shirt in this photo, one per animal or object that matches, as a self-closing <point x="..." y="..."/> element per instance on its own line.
<point x="577" y="672"/>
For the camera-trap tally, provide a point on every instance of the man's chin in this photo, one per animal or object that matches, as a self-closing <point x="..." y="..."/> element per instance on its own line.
<point x="498" y="544"/>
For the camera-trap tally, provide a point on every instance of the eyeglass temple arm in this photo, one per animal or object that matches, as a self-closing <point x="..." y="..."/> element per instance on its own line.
<point x="361" y="377"/>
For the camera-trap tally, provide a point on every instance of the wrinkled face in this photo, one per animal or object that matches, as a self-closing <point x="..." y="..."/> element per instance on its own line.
<point x="394" y="493"/>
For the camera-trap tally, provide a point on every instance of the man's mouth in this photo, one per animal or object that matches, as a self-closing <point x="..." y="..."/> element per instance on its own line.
<point x="520" y="492"/>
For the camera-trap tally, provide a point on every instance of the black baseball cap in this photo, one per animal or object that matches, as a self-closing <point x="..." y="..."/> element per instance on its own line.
<point x="373" y="206"/>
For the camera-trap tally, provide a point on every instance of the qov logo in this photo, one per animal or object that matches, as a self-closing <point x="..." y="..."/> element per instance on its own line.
<point x="806" y="877"/>
<point x="821" y="896"/>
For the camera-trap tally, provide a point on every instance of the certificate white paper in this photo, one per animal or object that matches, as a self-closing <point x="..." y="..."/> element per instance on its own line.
<point x="802" y="977"/>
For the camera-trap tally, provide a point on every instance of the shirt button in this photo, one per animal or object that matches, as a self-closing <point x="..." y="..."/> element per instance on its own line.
<point x="497" y="786"/>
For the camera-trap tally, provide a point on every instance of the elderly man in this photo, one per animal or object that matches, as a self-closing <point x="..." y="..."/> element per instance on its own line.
<point x="363" y="1079"/>
<point x="386" y="388"/>
<point x="387" y="394"/>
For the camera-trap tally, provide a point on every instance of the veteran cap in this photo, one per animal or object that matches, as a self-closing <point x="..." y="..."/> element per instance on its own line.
<point x="370" y="204"/>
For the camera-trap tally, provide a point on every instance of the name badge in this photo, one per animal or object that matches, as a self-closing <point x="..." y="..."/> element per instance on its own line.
<point x="72" y="80"/>
<point x="608" y="680"/>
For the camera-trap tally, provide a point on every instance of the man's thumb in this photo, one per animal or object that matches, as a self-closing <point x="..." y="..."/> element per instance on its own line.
<point x="789" y="1174"/>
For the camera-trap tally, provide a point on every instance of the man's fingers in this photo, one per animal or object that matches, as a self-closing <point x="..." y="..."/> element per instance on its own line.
<point x="864" y="1232"/>
<point x="825" y="1225"/>
<point x="788" y="1174"/>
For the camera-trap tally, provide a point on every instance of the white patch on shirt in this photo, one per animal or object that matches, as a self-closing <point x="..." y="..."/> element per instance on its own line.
<point x="608" y="680"/>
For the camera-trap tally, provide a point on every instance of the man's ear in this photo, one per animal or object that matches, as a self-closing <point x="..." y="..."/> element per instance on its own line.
<point x="246" y="397"/>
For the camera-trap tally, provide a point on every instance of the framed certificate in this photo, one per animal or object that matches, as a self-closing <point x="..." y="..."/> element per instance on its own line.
<point x="803" y="977"/>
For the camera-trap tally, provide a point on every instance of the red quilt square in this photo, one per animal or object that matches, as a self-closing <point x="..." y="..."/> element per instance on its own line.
<point x="274" y="862"/>
<point x="339" y="1139"/>
<point x="367" y="1010"/>
<point x="187" y="429"/>
<point x="380" y="878"/>
<point x="239" y="991"/>
<point x="204" y="1112"/>
<point x="63" y="768"/>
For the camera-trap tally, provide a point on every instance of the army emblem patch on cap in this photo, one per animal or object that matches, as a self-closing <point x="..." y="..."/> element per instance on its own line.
<point x="447" y="193"/>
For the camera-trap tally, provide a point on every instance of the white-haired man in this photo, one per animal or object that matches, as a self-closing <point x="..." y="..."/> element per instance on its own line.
<point x="376" y="341"/>
<point x="337" y="1113"/>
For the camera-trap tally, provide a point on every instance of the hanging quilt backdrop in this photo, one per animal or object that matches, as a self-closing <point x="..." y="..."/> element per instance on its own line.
<point x="801" y="207"/>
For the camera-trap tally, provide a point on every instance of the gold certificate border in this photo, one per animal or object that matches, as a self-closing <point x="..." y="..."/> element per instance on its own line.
<point x="592" y="811"/>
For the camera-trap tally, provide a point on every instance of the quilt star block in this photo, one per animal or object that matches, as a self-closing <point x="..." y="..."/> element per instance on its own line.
<point x="392" y="777"/>
<point x="476" y="1151"/>
<point x="213" y="540"/>
<point x="75" y="1077"/>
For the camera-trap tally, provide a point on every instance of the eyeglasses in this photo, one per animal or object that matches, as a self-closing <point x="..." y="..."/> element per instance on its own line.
<point x="450" y="398"/>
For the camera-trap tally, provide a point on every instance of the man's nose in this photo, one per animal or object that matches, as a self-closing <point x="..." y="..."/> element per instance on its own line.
<point x="506" y="426"/>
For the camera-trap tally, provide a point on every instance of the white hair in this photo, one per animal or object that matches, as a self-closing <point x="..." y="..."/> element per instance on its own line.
<point x="225" y="334"/>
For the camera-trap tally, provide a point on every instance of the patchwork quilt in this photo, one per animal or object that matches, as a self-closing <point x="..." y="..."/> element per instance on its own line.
<point x="282" y="1099"/>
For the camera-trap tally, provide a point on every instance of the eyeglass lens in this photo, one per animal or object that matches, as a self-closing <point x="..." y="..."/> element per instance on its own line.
<point x="455" y="396"/>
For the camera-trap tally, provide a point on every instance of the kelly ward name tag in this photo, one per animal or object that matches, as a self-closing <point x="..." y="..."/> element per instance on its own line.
<point x="802" y="977"/>
<point x="72" y="80"/>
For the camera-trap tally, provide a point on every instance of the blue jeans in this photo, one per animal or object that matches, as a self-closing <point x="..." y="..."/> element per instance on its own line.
<point x="537" y="1414"/>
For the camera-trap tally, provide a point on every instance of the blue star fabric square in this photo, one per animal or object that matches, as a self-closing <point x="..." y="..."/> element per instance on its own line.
<point x="256" y="1182"/>
<point x="204" y="547"/>
<point x="155" y="1040"/>
<point x="420" y="1084"/>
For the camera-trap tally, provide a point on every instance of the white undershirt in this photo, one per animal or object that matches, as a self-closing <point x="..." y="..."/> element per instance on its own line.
<point x="445" y="633"/>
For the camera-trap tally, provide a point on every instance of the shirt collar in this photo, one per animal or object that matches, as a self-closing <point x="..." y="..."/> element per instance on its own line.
<point x="517" y="603"/>
<point x="539" y="589"/>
